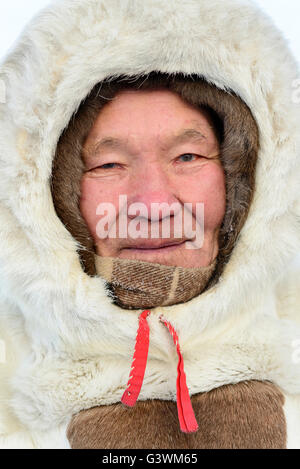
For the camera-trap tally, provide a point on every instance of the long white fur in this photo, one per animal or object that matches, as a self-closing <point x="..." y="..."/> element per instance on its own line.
<point x="68" y="347"/>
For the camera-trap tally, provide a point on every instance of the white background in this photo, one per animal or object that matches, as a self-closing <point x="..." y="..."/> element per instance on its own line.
<point x="14" y="14"/>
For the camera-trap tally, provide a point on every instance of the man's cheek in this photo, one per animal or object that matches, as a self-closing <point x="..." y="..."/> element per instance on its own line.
<point x="214" y="198"/>
<point x="90" y="198"/>
<point x="98" y="202"/>
<point x="215" y="211"/>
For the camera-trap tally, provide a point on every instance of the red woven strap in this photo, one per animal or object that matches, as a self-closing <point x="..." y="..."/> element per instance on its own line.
<point x="139" y="362"/>
<point x="187" y="419"/>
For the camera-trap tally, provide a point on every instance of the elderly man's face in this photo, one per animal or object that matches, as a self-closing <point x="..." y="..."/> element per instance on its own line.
<point x="153" y="147"/>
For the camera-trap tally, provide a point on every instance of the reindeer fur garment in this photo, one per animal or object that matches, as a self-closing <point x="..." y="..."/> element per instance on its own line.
<point x="67" y="346"/>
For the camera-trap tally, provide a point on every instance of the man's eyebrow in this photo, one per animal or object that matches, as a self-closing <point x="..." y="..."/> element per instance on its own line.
<point x="104" y="143"/>
<point x="188" y="134"/>
<point x="117" y="143"/>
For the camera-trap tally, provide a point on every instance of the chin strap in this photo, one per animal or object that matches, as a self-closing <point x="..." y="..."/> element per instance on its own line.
<point x="187" y="420"/>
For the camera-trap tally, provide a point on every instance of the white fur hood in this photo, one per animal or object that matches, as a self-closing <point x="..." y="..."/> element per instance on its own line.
<point x="67" y="347"/>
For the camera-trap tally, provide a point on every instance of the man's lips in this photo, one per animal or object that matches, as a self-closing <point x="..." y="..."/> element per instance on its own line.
<point x="155" y="245"/>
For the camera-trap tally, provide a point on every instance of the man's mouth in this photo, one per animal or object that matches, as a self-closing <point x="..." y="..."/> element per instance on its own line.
<point x="155" y="245"/>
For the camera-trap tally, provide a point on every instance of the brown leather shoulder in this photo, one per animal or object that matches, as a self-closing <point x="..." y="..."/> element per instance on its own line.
<point x="240" y="416"/>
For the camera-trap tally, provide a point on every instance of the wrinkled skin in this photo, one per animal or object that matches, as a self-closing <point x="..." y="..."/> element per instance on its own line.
<point x="154" y="147"/>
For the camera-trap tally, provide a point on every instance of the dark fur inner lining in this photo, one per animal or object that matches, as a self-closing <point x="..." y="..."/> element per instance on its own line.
<point x="235" y="127"/>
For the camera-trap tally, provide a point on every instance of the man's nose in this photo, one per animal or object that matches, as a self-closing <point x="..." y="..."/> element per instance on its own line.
<point x="152" y="186"/>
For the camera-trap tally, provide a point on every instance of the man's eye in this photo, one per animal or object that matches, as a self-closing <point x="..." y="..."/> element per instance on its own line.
<point x="187" y="157"/>
<point x="105" y="166"/>
<point x="109" y="165"/>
